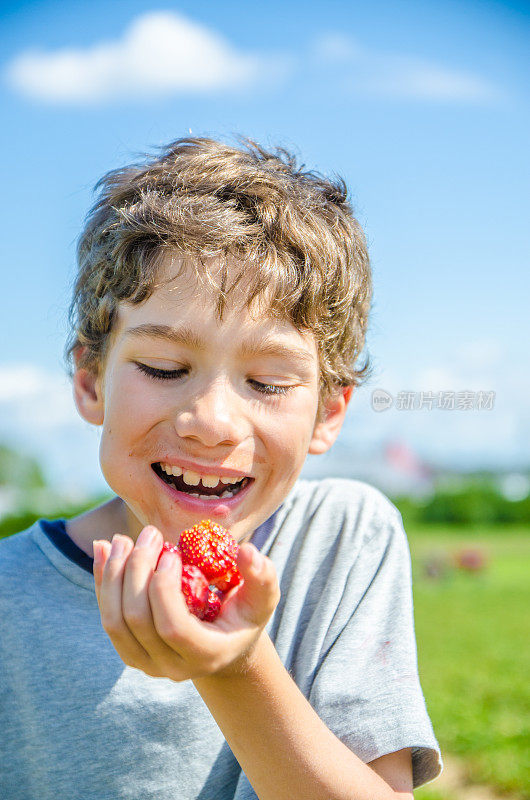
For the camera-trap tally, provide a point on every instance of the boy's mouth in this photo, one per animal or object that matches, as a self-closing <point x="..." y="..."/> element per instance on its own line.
<point x="205" y="487"/>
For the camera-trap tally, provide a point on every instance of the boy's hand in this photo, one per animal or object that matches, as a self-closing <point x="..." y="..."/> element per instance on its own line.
<point x="144" y="612"/>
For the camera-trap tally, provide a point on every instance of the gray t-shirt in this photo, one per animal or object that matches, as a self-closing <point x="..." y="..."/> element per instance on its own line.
<point x="77" y="723"/>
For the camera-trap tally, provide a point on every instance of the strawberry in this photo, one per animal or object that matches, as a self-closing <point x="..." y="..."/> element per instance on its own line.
<point x="168" y="546"/>
<point x="209" y="567"/>
<point x="213" y="605"/>
<point x="211" y="548"/>
<point x="195" y="590"/>
<point x="193" y="584"/>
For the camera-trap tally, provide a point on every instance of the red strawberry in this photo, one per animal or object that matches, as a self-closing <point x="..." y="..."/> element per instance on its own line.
<point x="213" y="605"/>
<point x="195" y="589"/>
<point x="209" y="567"/>
<point x="168" y="547"/>
<point x="193" y="584"/>
<point x="210" y="547"/>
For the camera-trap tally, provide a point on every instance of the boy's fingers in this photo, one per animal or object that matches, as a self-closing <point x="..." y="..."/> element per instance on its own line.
<point x="260" y="592"/>
<point x="140" y="566"/>
<point x="110" y="587"/>
<point x="136" y="606"/>
<point x="173" y="622"/>
<point x="110" y="605"/>
<point x="101" y="553"/>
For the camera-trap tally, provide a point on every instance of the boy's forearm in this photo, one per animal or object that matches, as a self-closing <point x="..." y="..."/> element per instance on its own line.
<point x="282" y="745"/>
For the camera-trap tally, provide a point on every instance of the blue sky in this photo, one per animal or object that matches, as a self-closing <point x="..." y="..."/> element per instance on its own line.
<point x="423" y="108"/>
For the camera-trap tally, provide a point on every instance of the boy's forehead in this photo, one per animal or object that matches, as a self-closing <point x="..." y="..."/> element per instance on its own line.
<point x="183" y="301"/>
<point x="181" y="291"/>
<point x="187" y="278"/>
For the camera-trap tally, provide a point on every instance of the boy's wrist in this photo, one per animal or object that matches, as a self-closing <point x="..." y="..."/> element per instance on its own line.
<point x="243" y="667"/>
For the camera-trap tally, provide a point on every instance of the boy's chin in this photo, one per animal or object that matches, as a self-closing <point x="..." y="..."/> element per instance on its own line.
<point x="172" y="526"/>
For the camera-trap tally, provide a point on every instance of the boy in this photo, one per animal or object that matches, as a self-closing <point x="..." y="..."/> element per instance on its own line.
<point x="220" y="306"/>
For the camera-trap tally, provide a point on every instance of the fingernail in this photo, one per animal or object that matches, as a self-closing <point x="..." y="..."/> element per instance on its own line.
<point x="167" y="561"/>
<point x="118" y="547"/>
<point x="147" y="536"/>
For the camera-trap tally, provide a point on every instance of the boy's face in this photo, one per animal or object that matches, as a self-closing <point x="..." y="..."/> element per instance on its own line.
<point x="212" y="402"/>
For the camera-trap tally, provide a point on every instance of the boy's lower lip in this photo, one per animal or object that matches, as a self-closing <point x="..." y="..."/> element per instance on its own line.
<point x="220" y="507"/>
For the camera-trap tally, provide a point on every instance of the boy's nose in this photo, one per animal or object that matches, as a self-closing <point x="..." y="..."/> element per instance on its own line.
<point x="212" y="416"/>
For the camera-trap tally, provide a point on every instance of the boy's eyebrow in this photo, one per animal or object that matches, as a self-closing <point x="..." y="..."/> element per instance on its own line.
<point x="187" y="337"/>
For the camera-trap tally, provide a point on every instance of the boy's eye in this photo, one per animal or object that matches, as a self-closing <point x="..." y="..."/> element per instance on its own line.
<point x="269" y="388"/>
<point x="172" y="374"/>
<point x="160" y="374"/>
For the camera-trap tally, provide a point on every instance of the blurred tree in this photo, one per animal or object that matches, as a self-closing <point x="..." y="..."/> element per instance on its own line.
<point x="474" y="504"/>
<point x="20" y="470"/>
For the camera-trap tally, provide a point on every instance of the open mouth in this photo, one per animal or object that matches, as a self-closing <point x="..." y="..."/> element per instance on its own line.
<point x="192" y="484"/>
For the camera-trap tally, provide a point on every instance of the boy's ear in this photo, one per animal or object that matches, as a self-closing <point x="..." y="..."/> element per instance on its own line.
<point x="327" y="430"/>
<point x="88" y="394"/>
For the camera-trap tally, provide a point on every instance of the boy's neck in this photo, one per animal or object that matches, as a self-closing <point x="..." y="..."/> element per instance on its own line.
<point x="102" y="523"/>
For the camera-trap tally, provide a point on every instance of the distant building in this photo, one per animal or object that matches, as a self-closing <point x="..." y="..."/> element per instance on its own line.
<point x="394" y="468"/>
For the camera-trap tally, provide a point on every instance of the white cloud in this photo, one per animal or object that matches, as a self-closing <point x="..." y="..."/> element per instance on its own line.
<point x="19" y="382"/>
<point x="336" y="47"/>
<point x="481" y="354"/>
<point x="421" y="80"/>
<point x="165" y="53"/>
<point x="30" y="395"/>
<point x="397" y="75"/>
<point x="38" y="415"/>
<point x="160" y="53"/>
<point x="496" y="437"/>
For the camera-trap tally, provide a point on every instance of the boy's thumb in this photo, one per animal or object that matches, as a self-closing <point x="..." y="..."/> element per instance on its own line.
<point x="260" y="592"/>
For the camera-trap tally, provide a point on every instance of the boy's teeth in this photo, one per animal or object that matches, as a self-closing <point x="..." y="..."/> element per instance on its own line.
<point x="169" y="470"/>
<point x="210" y="481"/>
<point x="191" y="478"/>
<point x="211" y="497"/>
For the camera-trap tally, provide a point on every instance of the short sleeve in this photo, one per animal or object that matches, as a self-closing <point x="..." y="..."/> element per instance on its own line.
<point x="366" y="688"/>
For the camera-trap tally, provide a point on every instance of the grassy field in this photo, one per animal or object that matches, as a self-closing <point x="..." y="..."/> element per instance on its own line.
<point x="474" y="650"/>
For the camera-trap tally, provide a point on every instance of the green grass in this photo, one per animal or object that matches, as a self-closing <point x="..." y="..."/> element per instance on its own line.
<point x="474" y="651"/>
<point x="22" y="519"/>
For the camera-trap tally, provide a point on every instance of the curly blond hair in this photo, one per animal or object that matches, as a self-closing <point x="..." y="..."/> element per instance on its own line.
<point x="292" y="230"/>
